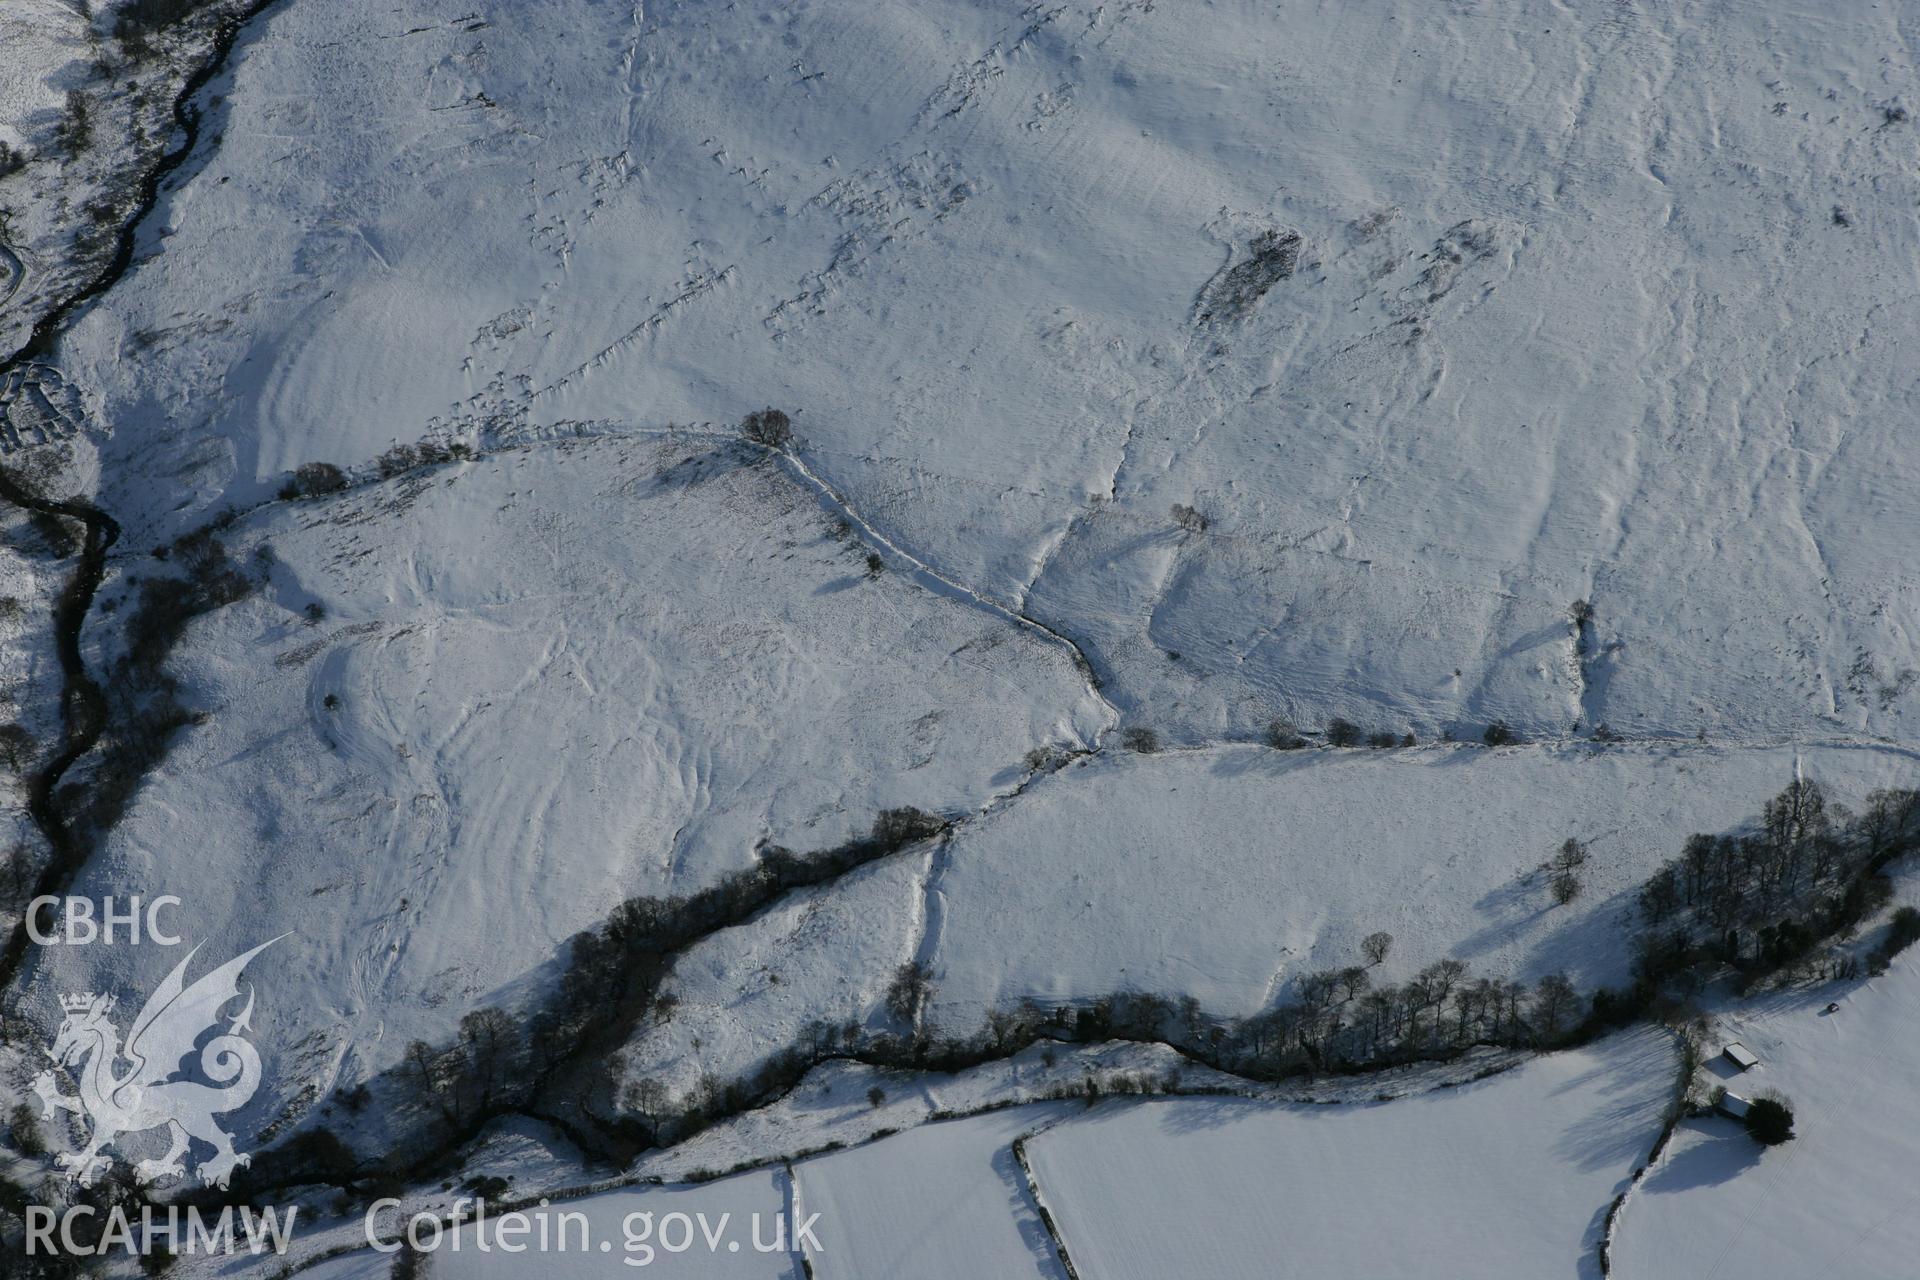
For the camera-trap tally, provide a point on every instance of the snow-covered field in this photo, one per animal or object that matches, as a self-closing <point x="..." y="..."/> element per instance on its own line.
<point x="1839" y="1200"/>
<point x="944" y="1202"/>
<point x="1154" y="367"/>
<point x="1224" y="874"/>
<point x="543" y="682"/>
<point x="1507" y="1177"/>
<point x="1599" y="304"/>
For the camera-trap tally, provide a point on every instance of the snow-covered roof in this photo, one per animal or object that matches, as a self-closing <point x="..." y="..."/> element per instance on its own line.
<point x="1740" y="1055"/>
<point x="1735" y="1105"/>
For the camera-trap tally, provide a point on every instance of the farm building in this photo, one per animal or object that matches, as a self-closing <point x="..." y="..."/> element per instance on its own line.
<point x="1740" y="1056"/>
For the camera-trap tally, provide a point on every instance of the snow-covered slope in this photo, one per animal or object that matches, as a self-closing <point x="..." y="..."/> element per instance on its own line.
<point x="540" y="683"/>
<point x="822" y="956"/>
<point x="1224" y="874"/>
<point x="1836" y="1201"/>
<point x="1598" y="304"/>
<point x="87" y="93"/>
<point x="1171" y="367"/>
<point x="1508" y="1177"/>
<point x="35" y="557"/>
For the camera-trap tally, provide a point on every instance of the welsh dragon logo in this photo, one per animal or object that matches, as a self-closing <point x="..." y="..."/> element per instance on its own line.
<point x="147" y="1094"/>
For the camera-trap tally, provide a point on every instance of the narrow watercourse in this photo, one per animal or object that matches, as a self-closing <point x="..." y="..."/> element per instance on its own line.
<point x="82" y="705"/>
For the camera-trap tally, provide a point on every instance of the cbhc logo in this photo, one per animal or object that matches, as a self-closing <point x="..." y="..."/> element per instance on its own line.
<point x="78" y="925"/>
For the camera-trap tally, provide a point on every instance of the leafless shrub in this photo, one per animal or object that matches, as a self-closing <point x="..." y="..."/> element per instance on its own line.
<point x="769" y="427"/>
<point x="1281" y="736"/>
<point x="312" y="479"/>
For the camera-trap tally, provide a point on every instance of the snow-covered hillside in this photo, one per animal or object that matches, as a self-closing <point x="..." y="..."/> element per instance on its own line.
<point x="1167" y="382"/>
<point x="1507" y="1177"/>
<point x="742" y="995"/>
<point x="473" y="709"/>
<point x="87" y="127"/>
<point x="1227" y="874"/>
<point x="1504" y="1177"/>
<point x="1836" y="1201"/>
<point x="1600" y="304"/>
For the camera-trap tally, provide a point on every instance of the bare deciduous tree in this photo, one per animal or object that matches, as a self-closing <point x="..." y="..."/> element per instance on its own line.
<point x="907" y="993"/>
<point x="488" y="1036"/>
<point x="1554" y="1003"/>
<point x="1564" y="870"/>
<point x="435" y="1079"/>
<point x="769" y="427"/>
<point x="1376" y="946"/>
<point x="16" y="876"/>
<point x="16" y="744"/>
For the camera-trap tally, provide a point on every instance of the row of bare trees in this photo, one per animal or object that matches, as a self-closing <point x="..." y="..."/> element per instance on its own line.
<point x="467" y="1077"/>
<point x="1764" y="900"/>
<point x="1804" y="854"/>
<point x="1758" y="898"/>
<point x="498" y="1062"/>
<point x="1340" y="1019"/>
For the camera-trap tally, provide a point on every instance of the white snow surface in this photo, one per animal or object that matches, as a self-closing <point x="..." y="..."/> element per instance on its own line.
<point x="1838" y="1200"/>
<point x="1600" y="303"/>
<point x="1441" y="318"/>
<point x="821" y="955"/>
<point x="71" y="178"/>
<point x="942" y="1202"/>
<point x="560" y="677"/>
<point x="1504" y="1179"/>
<point x="1225" y="873"/>
<point x="931" y="1201"/>
<point x="43" y="39"/>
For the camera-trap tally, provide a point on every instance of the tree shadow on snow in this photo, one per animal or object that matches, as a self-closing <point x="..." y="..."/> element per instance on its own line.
<point x="1522" y="909"/>
<point x="703" y="462"/>
<point x="1265" y="762"/>
<point x="1033" y="1233"/>
<point x="1551" y="634"/>
<point x="1632" y="1082"/>
<point x="1716" y="1151"/>
<point x="1197" y="1115"/>
<point x="1526" y="892"/>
